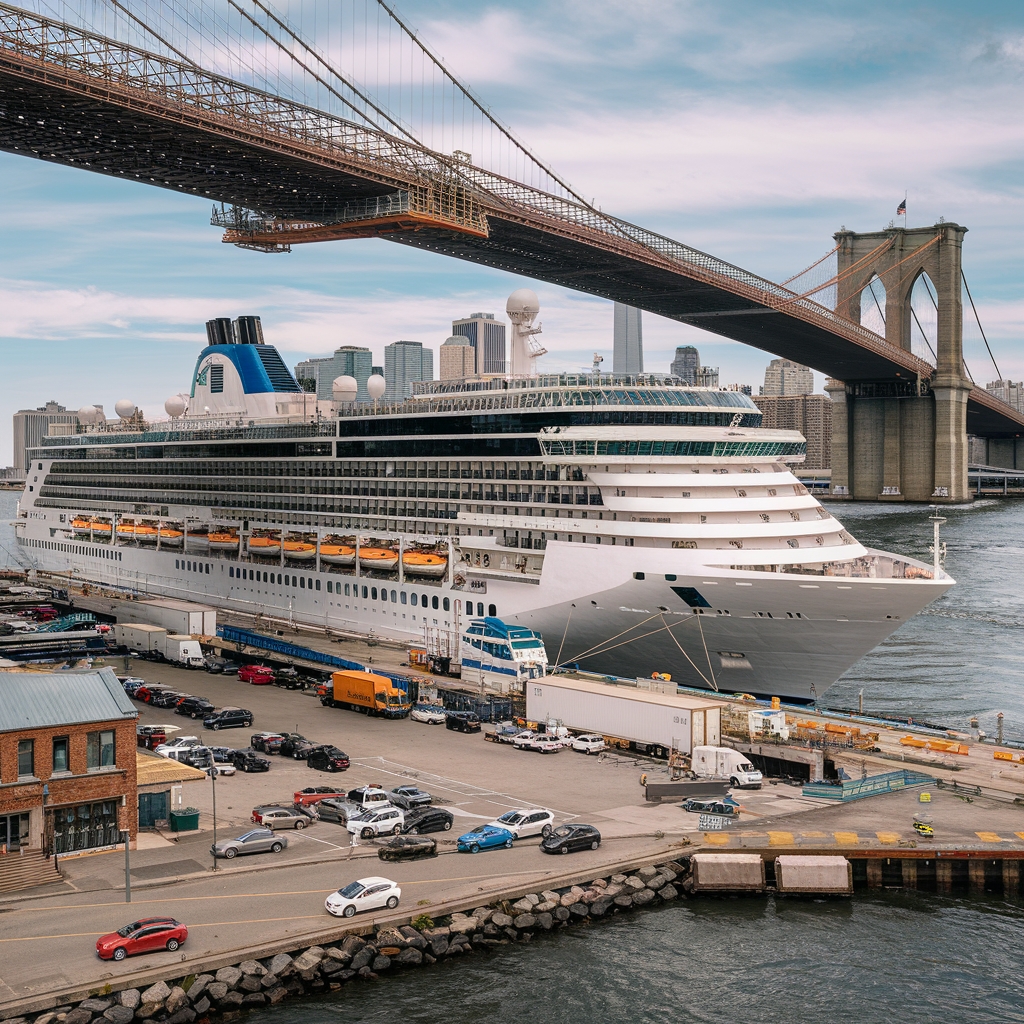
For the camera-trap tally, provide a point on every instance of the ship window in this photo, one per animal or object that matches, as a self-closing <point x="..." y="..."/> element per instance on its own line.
<point x="317" y="584"/>
<point x="373" y="593"/>
<point x="423" y="600"/>
<point x="394" y="596"/>
<point x="347" y="593"/>
<point x="693" y="597"/>
<point x="231" y="571"/>
<point x="383" y="594"/>
<point x="330" y="587"/>
<point x="639" y="576"/>
<point x="207" y="568"/>
<point x="176" y="566"/>
<point x="415" y="600"/>
<point x="310" y="583"/>
<point x="434" y="603"/>
<point x="670" y="579"/>
<point x="492" y="610"/>
<point x="403" y="597"/>
<point x="366" y="593"/>
<point x="446" y="604"/>
<point x="302" y="582"/>
<point x="279" y="578"/>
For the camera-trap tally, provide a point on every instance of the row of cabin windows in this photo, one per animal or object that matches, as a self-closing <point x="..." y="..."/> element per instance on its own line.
<point x="96" y="550"/>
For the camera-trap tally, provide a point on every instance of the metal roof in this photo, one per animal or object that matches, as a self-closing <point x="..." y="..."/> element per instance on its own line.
<point x="30" y="700"/>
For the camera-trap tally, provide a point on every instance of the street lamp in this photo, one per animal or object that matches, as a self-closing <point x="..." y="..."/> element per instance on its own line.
<point x="214" y="772"/>
<point x="126" y="836"/>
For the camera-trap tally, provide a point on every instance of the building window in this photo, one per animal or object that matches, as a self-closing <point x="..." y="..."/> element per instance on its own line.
<point x="60" y="754"/>
<point x="99" y="749"/>
<point x="26" y="759"/>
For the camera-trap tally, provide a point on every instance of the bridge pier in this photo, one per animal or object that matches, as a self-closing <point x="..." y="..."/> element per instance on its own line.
<point x="903" y="440"/>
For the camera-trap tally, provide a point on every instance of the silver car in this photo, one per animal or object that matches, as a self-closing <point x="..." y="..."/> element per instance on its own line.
<point x="259" y="840"/>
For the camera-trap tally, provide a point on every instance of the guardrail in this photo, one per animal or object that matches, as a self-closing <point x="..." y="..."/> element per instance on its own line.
<point x="857" y="789"/>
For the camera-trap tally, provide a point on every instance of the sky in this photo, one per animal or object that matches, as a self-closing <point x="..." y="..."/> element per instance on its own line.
<point x="751" y="130"/>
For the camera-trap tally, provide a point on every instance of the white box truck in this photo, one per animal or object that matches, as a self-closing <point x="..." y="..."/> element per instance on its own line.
<point x="181" y="617"/>
<point x="725" y="763"/>
<point x="138" y="636"/>
<point x="182" y="650"/>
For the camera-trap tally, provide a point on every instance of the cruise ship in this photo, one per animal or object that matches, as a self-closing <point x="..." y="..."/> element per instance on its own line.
<point x="639" y="524"/>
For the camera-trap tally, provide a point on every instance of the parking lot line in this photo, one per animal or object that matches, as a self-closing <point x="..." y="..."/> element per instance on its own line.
<point x="317" y="839"/>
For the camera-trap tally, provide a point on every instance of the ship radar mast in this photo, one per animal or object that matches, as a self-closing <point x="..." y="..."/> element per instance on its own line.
<point x="522" y="309"/>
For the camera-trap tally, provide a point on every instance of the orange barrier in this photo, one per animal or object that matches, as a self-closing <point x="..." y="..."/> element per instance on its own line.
<point x="912" y="741"/>
<point x="1002" y="755"/>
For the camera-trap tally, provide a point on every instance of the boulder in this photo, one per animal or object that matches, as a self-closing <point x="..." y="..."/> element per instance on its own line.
<point x="560" y="913"/>
<point x="118" y="1014"/>
<point x="466" y="925"/>
<point x="308" y="961"/>
<point x="545" y="906"/>
<point x="491" y="930"/>
<point x="550" y="896"/>
<point x="483" y="914"/>
<point x="409" y="956"/>
<point x="613" y="890"/>
<point x="591" y="896"/>
<point x="184" y="1016"/>
<point x="230" y="1000"/>
<point x="252" y="967"/>
<point x="49" y="1018"/>
<point x="217" y="990"/>
<point x="363" y="958"/>
<point x="439" y="945"/>
<point x="600" y="907"/>
<point x="201" y="1006"/>
<point x="269" y="981"/>
<point x="668" y="874"/>
<point x="636" y="883"/>
<point x="352" y="944"/>
<point x="500" y="920"/>
<point x="79" y="1016"/>
<point x="95" y="1005"/>
<point x="176" y="1000"/>
<point x="431" y="933"/>
<point x="657" y="882"/>
<point x="524" y="921"/>
<point x="254" y="999"/>
<point x="647" y="871"/>
<point x="249" y="983"/>
<point x="413" y="937"/>
<point x="276" y="994"/>
<point x="198" y="986"/>
<point x="330" y="967"/>
<point x="644" y="897"/>
<point x="579" y="910"/>
<point x="156" y="993"/>
<point x="365" y="972"/>
<point x="511" y="934"/>
<point x="147" y="1010"/>
<point x="334" y="953"/>
<point x="387" y="937"/>
<point x="618" y="879"/>
<point x="668" y="892"/>
<point x="380" y="963"/>
<point x="279" y="964"/>
<point x="598" y="883"/>
<point x="545" y="920"/>
<point x="624" y="900"/>
<point x="525" y="905"/>
<point x="231" y="976"/>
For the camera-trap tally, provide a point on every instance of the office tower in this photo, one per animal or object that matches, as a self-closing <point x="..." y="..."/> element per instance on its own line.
<point x="628" y="352"/>
<point x="783" y="377"/>
<point x="487" y="336"/>
<point x="686" y="364"/>
<point x="405" y="363"/>
<point x="457" y="359"/>
<point x="32" y="425"/>
<point x="347" y="361"/>
<point x="707" y="377"/>
<point x="1011" y="392"/>
<point x="810" y="414"/>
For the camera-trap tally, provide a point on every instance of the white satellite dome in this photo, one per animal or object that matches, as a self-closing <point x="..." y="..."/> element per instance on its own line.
<point x="175" y="406"/>
<point x="376" y="386"/>
<point x="87" y="414"/>
<point x="344" y="389"/>
<point x="523" y="302"/>
<point x="125" y="408"/>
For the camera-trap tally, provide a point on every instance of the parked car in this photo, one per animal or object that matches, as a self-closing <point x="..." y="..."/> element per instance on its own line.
<point x="221" y="769"/>
<point x="175" y="744"/>
<point x="259" y="840"/>
<point x="407" y="848"/>
<point x="195" y="757"/>
<point x="297" y="746"/>
<point x="266" y="742"/>
<point x="337" y="809"/>
<point x="328" y="759"/>
<point x="523" y="740"/>
<point x="567" y="838"/>
<point x="167" y="699"/>
<point x="462" y="721"/>
<point x="428" y="819"/>
<point x="486" y="837"/>
<point x="314" y="794"/>
<point x="146" y="935"/>
<point x="408" y="797"/>
<point x="545" y="744"/>
<point x="591" y="743"/>
<point x="194" y="707"/>
<point x="703" y="806"/>
<point x="366" y="894"/>
<point x="214" y="663"/>
<point x="258" y="675"/>
<point x="377" y="822"/>
<point x="289" y="678"/>
<point x="273" y="816"/>
<point x="432" y="714"/>
<point x="247" y="761"/>
<point x="370" y="798"/>
<point x="150" y="736"/>
<point x="230" y="668"/>
<point x="221" y="755"/>
<point x="533" y="822"/>
<point x="228" y="718"/>
<point x="502" y="732"/>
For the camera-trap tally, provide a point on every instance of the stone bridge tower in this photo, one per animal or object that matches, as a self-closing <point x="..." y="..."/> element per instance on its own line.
<point x="903" y="440"/>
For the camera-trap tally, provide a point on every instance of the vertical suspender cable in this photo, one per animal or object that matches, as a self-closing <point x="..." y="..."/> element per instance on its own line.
<point x="999" y="376"/>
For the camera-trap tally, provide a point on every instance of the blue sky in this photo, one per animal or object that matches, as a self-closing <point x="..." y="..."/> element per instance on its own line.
<point x="752" y="130"/>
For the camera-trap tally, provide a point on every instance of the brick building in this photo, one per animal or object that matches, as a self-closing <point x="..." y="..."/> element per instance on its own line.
<point x="67" y="761"/>
<point x="811" y="415"/>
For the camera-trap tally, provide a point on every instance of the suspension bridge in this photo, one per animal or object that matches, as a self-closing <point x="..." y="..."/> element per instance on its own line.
<point x="320" y="120"/>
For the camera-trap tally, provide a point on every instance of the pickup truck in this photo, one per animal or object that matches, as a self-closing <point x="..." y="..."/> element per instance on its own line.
<point x="501" y="732"/>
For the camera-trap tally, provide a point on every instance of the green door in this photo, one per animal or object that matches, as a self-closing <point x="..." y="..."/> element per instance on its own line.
<point x="153" y="807"/>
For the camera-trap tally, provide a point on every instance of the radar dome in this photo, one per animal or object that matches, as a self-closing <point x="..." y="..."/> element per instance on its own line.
<point x="87" y="414"/>
<point x="376" y="386"/>
<point x="175" y="406"/>
<point x="522" y="303"/>
<point x="344" y="389"/>
<point x="125" y="408"/>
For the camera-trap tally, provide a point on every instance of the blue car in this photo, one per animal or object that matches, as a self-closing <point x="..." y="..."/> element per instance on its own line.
<point x="486" y="837"/>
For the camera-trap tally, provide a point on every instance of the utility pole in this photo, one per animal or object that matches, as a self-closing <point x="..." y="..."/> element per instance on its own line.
<point x="213" y="779"/>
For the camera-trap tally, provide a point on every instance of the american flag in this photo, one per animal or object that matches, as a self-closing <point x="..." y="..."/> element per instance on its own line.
<point x="901" y="210"/>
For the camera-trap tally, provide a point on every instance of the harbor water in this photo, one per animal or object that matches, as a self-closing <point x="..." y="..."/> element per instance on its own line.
<point x="882" y="957"/>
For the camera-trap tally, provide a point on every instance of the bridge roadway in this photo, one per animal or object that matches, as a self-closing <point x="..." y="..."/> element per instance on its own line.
<point x="84" y="101"/>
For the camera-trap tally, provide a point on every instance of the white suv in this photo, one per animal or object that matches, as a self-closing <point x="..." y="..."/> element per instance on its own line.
<point x="181" y="743"/>
<point x="522" y="823"/>
<point x="384" y="821"/>
<point x="589" y="744"/>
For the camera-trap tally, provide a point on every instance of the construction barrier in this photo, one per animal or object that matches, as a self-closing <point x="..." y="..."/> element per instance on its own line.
<point x="857" y="789"/>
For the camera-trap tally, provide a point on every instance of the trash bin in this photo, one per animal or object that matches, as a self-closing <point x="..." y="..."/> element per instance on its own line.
<point x="186" y="820"/>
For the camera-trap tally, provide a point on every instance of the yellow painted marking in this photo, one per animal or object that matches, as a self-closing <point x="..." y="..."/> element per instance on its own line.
<point x="1019" y="835"/>
<point x="781" y="839"/>
<point x="850" y="838"/>
<point x="888" y="837"/>
<point x="813" y="835"/>
<point x="990" y="837"/>
<point x="716" y="838"/>
<point x="752" y="835"/>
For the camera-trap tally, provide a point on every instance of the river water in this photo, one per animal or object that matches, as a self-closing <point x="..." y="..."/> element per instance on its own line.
<point x="887" y="957"/>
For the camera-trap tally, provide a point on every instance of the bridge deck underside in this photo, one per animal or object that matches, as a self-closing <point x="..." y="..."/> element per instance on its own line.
<point x="54" y="121"/>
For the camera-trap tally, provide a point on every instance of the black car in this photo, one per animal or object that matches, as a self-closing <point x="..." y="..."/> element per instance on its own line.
<point x="297" y="746"/>
<point x="194" y="707"/>
<point x="228" y="718"/>
<point x="167" y="699"/>
<point x="247" y="761"/>
<point x="567" y="838"/>
<point x="428" y="819"/>
<point x="222" y="755"/>
<point x="407" y="848"/>
<point x="328" y="759"/>
<point x="462" y="721"/>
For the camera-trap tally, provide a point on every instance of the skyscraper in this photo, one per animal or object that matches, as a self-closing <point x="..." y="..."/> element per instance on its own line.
<point x="810" y="414"/>
<point x="628" y="353"/>
<point x="347" y="361"/>
<point x="487" y="336"/>
<point x="457" y="358"/>
<point x="783" y="377"/>
<point x="686" y="364"/>
<point x="405" y="363"/>
<point x="32" y="425"/>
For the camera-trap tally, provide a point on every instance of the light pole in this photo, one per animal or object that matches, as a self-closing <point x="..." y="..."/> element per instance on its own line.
<point x="213" y="779"/>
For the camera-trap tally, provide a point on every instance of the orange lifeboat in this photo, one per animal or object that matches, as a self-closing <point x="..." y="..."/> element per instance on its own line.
<point x="300" y="550"/>
<point x="96" y="526"/>
<point x="338" y="554"/>
<point x="126" y="530"/>
<point x="264" y="545"/>
<point x="225" y="541"/>
<point x="384" y="559"/>
<point x="83" y="527"/>
<point x="171" y="537"/>
<point x="145" y="533"/>
<point x="424" y="563"/>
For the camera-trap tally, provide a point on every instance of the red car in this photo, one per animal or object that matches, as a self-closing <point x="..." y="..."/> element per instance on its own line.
<point x="258" y="675"/>
<point x="314" y="794"/>
<point x="144" y="936"/>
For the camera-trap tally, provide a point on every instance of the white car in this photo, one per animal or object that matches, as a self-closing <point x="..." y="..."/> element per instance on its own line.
<point x="432" y="714"/>
<point x="382" y="821"/>
<point x="181" y="743"/>
<point x="533" y="822"/>
<point x="589" y="744"/>
<point x="524" y="740"/>
<point x="366" y="894"/>
<point x="222" y="768"/>
<point x="546" y="744"/>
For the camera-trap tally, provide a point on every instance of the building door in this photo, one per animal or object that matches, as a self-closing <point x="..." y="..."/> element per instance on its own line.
<point x="153" y="807"/>
<point x="13" y="832"/>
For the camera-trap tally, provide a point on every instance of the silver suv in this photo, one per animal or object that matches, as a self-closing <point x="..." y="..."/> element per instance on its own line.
<point x="259" y="840"/>
<point x="275" y="817"/>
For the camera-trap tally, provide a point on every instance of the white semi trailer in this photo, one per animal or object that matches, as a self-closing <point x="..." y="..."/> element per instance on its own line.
<point x="641" y="719"/>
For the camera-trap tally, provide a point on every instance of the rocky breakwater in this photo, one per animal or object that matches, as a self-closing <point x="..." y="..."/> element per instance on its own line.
<point x="260" y="982"/>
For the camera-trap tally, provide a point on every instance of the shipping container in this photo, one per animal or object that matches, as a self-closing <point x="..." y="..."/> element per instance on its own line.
<point x="139" y="636"/>
<point x="818" y="876"/>
<point x="645" y="720"/>
<point x="727" y="872"/>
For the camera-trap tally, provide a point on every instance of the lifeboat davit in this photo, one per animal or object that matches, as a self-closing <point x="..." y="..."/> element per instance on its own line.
<point x="300" y="550"/>
<point x="200" y="541"/>
<point x="384" y="559"/>
<point x="223" y="541"/>
<point x="424" y="563"/>
<point x="338" y="554"/>
<point x="266" y="546"/>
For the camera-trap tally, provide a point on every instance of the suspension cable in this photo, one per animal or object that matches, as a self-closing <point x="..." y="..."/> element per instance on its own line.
<point x="999" y="376"/>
